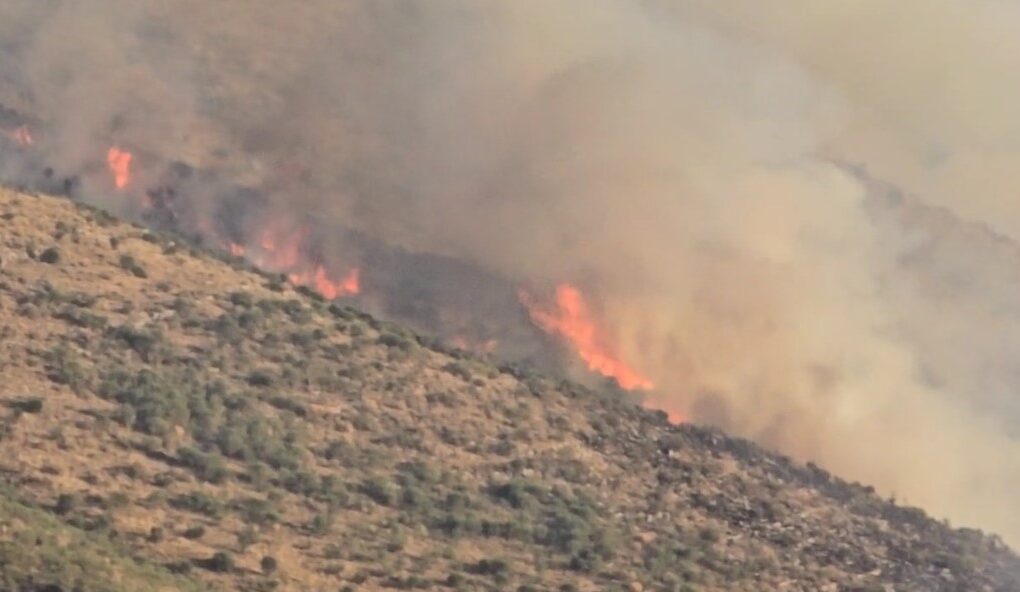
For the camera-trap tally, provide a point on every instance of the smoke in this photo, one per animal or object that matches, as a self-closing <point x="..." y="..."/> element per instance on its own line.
<point x="797" y="217"/>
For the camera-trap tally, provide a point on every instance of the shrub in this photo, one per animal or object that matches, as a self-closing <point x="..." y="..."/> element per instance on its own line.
<point x="322" y="523"/>
<point x="207" y="467"/>
<point x="261" y="378"/>
<point x="31" y="405"/>
<point x="516" y="493"/>
<point x="247" y="537"/>
<point x="130" y="264"/>
<point x="490" y="567"/>
<point x="242" y="299"/>
<point x="397" y="341"/>
<point x="50" y="255"/>
<point x="65" y="367"/>
<point x="268" y="564"/>
<point x="198" y="502"/>
<point x="66" y="502"/>
<point x="143" y="342"/>
<point x="288" y="404"/>
<point x="220" y="562"/>
<point x="380" y="491"/>
<point x="257" y="511"/>
<point x="194" y="532"/>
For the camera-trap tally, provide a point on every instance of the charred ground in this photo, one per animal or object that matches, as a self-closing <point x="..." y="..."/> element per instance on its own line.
<point x="175" y="420"/>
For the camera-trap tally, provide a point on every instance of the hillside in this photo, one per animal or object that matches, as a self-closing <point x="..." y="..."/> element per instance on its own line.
<point x="175" y="420"/>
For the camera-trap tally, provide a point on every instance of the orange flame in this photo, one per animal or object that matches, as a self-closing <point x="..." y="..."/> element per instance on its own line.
<point x="320" y="281"/>
<point x="280" y="252"/>
<point x="119" y="162"/>
<point x="572" y="320"/>
<point x="351" y="283"/>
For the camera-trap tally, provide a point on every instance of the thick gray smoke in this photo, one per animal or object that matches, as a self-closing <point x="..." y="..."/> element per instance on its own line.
<point x="797" y="217"/>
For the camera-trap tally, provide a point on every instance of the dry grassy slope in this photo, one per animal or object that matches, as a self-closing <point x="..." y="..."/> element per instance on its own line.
<point x="191" y="415"/>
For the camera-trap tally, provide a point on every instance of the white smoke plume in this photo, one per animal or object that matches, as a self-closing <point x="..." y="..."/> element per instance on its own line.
<point x="797" y="217"/>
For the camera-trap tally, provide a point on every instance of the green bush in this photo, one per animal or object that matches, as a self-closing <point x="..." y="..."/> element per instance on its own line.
<point x="247" y="537"/>
<point x="30" y="405"/>
<point x="64" y="366"/>
<point x="129" y="263"/>
<point x="380" y="491"/>
<point x="257" y="511"/>
<point x="145" y="342"/>
<point x="207" y="467"/>
<point x="490" y="567"/>
<point x="66" y="503"/>
<point x="198" y="502"/>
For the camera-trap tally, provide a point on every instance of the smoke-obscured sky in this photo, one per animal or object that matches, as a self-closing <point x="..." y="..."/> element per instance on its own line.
<point x="799" y="217"/>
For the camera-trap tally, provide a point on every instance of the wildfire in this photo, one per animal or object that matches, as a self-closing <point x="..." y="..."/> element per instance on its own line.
<point x="572" y="320"/>
<point x="119" y="162"/>
<point x="281" y="253"/>
<point x="320" y="281"/>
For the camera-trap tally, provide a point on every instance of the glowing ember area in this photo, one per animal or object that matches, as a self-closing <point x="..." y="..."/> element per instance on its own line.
<point x="572" y="320"/>
<point x="21" y="135"/>
<point x="284" y="255"/>
<point x="329" y="288"/>
<point x="119" y="162"/>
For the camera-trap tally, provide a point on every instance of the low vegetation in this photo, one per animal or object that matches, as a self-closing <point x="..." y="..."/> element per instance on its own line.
<point x="174" y="421"/>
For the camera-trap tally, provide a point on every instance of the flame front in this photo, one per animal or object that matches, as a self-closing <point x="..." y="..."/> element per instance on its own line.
<point x="572" y="320"/>
<point x="320" y="281"/>
<point x="281" y="252"/>
<point x="119" y="162"/>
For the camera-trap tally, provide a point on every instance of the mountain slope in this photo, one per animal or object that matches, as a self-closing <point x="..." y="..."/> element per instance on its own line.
<point x="198" y="416"/>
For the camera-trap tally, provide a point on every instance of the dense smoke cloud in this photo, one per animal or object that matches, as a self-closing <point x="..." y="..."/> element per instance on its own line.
<point x="797" y="217"/>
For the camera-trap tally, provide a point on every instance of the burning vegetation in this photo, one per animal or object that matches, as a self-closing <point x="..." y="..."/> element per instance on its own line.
<point x="274" y="243"/>
<point x="119" y="162"/>
<point x="571" y="319"/>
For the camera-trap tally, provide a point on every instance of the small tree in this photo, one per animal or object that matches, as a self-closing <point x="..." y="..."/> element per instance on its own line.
<point x="269" y="564"/>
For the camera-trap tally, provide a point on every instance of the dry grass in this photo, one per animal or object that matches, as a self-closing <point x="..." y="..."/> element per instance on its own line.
<point x="396" y="464"/>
